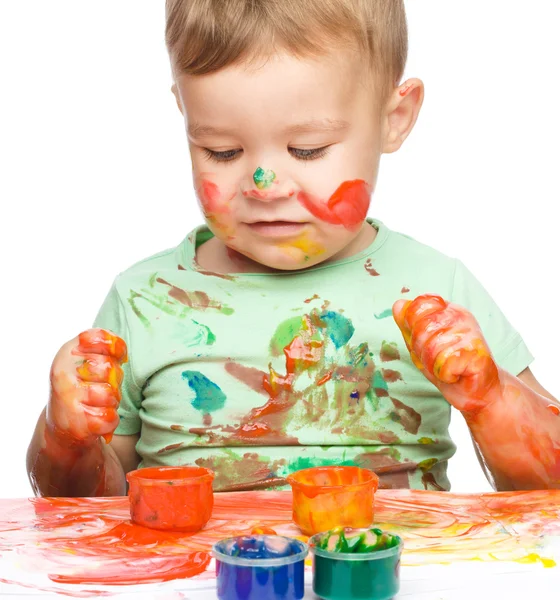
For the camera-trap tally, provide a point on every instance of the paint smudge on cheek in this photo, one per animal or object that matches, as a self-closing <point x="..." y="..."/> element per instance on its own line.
<point x="348" y="205"/>
<point x="217" y="208"/>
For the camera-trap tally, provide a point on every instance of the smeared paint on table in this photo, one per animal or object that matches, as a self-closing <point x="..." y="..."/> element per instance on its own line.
<point x="88" y="547"/>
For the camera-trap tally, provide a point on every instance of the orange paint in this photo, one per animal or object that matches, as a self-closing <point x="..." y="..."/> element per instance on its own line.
<point x="79" y="540"/>
<point x="446" y="343"/>
<point x="347" y="206"/>
<point x="329" y="497"/>
<point x="263" y="530"/>
<point x="172" y="498"/>
<point x="510" y="423"/>
<point x="100" y="341"/>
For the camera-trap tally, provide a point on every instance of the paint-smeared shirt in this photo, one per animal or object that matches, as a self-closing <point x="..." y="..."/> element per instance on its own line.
<point x="259" y="375"/>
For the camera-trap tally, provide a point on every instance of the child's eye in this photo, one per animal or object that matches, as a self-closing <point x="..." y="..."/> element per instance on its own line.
<point x="309" y="153"/>
<point x="222" y="156"/>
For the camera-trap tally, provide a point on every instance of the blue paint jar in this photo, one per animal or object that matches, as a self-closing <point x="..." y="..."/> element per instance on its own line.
<point x="260" y="567"/>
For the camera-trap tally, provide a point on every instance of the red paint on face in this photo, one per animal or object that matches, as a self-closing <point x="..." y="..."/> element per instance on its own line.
<point x="348" y="205"/>
<point x="211" y="198"/>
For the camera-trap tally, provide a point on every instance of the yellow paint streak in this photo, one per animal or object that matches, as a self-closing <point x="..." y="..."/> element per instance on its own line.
<point x="305" y="245"/>
<point x="533" y="558"/>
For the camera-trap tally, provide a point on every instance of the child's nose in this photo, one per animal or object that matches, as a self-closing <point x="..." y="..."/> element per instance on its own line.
<point x="266" y="186"/>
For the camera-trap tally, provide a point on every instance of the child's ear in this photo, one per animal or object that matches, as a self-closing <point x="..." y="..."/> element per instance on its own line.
<point x="175" y="92"/>
<point x="401" y="113"/>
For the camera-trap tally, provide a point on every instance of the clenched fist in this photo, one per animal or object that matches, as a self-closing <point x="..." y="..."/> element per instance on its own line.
<point x="86" y="376"/>
<point x="445" y="342"/>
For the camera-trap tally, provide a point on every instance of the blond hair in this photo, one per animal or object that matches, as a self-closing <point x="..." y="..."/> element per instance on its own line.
<point x="204" y="36"/>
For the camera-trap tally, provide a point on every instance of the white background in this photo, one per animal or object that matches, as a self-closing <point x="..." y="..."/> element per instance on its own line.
<point x="95" y="174"/>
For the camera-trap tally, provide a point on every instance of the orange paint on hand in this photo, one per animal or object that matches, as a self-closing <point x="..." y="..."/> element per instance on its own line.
<point x="445" y="342"/>
<point x="101" y="341"/>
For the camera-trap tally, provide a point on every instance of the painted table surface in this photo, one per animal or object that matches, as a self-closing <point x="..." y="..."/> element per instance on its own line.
<point x="456" y="546"/>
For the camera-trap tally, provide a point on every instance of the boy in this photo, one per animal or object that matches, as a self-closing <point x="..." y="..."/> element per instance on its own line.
<point x="270" y="340"/>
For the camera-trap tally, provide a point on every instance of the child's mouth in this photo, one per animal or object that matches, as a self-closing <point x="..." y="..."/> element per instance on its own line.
<point x="276" y="228"/>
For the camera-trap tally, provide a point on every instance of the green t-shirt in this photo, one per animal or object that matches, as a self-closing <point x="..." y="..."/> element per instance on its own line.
<point x="258" y="375"/>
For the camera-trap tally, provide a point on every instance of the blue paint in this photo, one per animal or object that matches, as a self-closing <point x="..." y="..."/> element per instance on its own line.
<point x="260" y="567"/>
<point x="209" y="397"/>
<point x="339" y="328"/>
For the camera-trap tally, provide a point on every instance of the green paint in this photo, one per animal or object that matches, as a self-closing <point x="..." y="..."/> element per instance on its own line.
<point x="170" y="306"/>
<point x="368" y="569"/>
<point x="426" y="440"/>
<point x="210" y="337"/>
<point x="209" y="397"/>
<point x="263" y="179"/>
<point x="427" y="464"/>
<point x="285" y="333"/>
<point x="379" y="383"/>
<point x="385" y="314"/>
<point x="339" y="328"/>
<point x="306" y="462"/>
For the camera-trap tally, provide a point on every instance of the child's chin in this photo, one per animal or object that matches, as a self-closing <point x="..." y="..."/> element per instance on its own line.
<point x="288" y="262"/>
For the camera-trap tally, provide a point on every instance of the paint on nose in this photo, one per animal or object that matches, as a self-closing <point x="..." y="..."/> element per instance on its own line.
<point x="263" y="179"/>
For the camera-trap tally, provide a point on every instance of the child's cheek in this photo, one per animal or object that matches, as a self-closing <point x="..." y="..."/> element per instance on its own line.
<point x="216" y="206"/>
<point x="347" y="206"/>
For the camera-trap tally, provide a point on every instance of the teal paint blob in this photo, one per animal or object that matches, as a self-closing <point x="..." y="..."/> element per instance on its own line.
<point x="379" y="383"/>
<point x="339" y="328"/>
<point x="385" y="314"/>
<point x="209" y="397"/>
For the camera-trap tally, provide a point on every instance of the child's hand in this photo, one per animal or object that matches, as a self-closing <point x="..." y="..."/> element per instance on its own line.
<point x="445" y="342"/>
<point x="86" y="376"/>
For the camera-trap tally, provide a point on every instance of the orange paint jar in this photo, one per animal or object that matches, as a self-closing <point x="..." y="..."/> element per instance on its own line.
<point x="173" y="498"/>
<point x="329" y="497"/>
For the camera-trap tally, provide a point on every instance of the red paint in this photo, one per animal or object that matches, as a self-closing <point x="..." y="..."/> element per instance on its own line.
<point x="404" y="91"/>
<point x="368" y="266"/>
<point x="210" y="197"/>
<point x="173" y="498"/>
<point x="348" y="205"/>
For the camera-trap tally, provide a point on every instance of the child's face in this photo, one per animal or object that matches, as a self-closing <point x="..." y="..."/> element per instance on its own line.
<point x="285" y="155"/>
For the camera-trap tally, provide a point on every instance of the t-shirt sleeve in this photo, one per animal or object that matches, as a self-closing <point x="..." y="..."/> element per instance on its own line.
<point x="112" y="317"/>
<point x="507" y="346"/>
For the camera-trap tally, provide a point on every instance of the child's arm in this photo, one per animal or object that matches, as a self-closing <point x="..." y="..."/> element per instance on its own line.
<point x="67" y="456"/>
<point x="516" y="430"/>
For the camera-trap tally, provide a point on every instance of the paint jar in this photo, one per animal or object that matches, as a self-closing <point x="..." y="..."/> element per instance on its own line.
<point x="260" y="567"/>
<point x="355" y="576"/>
<point x="329" y="497"/>
<point x="172" y="498"/>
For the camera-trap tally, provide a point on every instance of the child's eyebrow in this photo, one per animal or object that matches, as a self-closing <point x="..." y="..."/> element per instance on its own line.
<point x="312" y="125"/>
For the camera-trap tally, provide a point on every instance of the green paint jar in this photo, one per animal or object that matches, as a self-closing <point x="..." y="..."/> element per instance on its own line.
<point x="357" y="575"/>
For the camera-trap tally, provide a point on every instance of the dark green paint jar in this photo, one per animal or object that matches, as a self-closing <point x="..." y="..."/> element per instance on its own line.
<point x="356" y="576"/>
